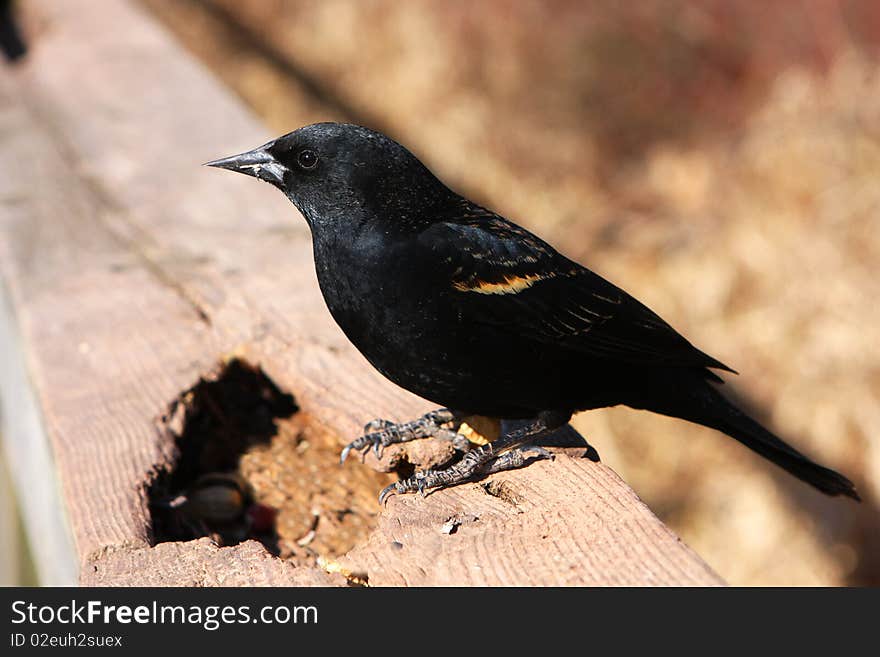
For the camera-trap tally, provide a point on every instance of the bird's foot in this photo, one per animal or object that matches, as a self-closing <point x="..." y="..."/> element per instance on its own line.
<point x="478" y="461"/>
<point x="379" y="434"/>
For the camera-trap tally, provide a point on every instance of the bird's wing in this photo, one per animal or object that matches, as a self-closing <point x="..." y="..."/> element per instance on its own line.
<point x="502" y="275"/>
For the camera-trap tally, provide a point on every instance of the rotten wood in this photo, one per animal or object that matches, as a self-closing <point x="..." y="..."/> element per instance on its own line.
<point x="132" y="271"/>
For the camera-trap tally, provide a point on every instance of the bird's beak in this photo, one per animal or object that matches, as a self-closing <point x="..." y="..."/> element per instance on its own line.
<point x="258" y="163"/>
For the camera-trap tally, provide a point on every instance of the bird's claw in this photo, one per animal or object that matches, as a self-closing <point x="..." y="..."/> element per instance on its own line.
<point x="538" y="452"/>
<point x="387" y="492"/>
<point x="378" y="434"/>
<point x="373" y="437"/>
<point x="418" y="483"/>
<point x="473" y="463"/>
<point x="363" y="445"/>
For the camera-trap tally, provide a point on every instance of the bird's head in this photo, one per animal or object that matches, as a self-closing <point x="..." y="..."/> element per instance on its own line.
<point x="336" y="172"/>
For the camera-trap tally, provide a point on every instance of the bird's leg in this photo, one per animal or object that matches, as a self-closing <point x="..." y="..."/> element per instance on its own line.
<point x="481" y="459"/>
<point x="378" y="434"/>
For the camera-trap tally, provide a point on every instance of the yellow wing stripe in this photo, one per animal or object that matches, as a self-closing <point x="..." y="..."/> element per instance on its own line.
<point x="508" y="285"/>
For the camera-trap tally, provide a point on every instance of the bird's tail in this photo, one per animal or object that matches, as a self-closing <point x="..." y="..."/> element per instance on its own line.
<point x="712" y="409"/>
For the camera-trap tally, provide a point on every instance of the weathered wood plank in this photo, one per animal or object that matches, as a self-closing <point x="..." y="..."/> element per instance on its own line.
<point x="569" y="522"/>
<point x="199" y="563"/>
<point x="132" y="271"/>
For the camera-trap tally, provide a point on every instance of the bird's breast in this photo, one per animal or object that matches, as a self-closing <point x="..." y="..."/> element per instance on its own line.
<point x="409" y="321"/>
<point x="381" y="299"/>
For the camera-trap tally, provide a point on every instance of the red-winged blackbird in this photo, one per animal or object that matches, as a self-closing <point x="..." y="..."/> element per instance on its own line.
<point x="462" y="307"/>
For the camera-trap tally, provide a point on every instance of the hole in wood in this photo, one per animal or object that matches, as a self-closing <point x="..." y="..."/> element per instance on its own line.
<point x="251" y="465"/>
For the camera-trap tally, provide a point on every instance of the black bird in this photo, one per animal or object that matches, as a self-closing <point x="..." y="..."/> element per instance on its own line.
<point x="465" y="308"/>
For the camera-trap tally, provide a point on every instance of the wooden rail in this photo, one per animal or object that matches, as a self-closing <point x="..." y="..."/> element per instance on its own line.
<point x="130" y="272"/>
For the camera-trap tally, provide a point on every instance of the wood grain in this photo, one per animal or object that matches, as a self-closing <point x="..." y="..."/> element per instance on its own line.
<point x="561" y="523"/>
<point x="199" y="563"/>
<point x="132" y="270"/>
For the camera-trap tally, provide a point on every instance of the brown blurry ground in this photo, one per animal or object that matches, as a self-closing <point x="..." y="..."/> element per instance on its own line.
<point x="720" y="160"/>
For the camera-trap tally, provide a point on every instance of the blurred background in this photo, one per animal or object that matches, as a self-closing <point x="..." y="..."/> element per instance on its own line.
<point x="718" y="159"/>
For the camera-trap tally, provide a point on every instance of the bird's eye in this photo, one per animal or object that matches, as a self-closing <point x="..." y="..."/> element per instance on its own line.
<point x="307" y="159"/>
